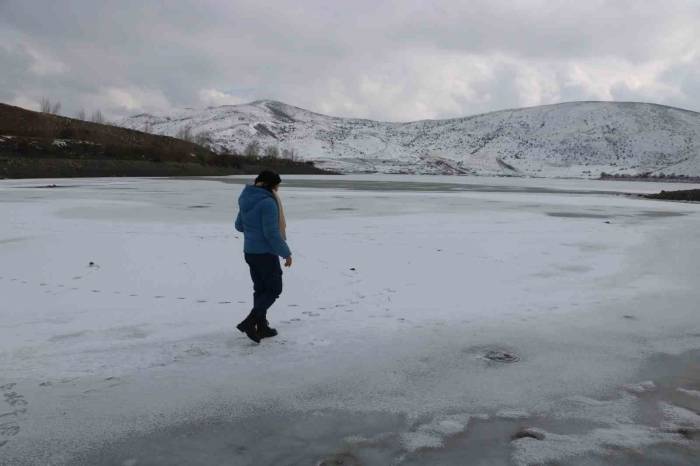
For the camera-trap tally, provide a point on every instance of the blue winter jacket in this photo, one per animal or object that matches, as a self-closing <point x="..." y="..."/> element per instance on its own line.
<point x="258" y="219"/>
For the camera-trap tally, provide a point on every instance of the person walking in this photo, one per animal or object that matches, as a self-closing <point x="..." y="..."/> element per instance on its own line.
<point x="261" y="220"/>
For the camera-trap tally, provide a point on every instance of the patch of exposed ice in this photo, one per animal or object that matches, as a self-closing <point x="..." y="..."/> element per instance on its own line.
<point x="360" y="440"/>
<point x="676" y="417"/>
<point x="641" y="387"/>
<point x="694" y="393"/>
<point x="413" y="441"/>
<point x="612" y="411"/>
<point x="555" y="448"/>
<point x="433" y="434"/>
<point x="512" y="414"/>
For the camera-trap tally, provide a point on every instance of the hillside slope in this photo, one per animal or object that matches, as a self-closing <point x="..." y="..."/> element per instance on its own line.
<point x="580" y="139"/>
<point x="38" y="145"/>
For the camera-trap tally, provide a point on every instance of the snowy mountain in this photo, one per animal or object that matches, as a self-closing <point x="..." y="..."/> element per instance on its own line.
<point x="577" y="139"/>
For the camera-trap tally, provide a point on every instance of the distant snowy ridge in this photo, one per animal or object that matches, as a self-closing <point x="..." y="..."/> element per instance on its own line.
<point x="576" y="139"/>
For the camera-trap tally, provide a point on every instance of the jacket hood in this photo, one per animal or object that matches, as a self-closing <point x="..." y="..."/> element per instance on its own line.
<point x="251" y="195"/>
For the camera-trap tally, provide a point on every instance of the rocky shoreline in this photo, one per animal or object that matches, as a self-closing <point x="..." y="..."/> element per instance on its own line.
<point x="689" y="195"/>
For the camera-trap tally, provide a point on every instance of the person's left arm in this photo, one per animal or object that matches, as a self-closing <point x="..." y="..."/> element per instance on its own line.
<point x="239" y="222"/>
<point x="271" y="228"/>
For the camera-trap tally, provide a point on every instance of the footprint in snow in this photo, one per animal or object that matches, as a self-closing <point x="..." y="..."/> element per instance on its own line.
<point x="114" y="382"/>
<point x="224" y="302"/>
<point x="201" y="301"/>
<point x="196" y="351"/>
<point x="10" y="425"/>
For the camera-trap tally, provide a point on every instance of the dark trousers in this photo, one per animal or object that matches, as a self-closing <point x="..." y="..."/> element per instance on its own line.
<point x="266" y="273"/>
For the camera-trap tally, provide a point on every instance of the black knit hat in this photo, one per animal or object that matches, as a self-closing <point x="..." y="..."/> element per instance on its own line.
<point x="268" y="178"/>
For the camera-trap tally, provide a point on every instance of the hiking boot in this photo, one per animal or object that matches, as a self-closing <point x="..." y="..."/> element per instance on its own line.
<point x="248" y="327"/>
<point x="265" y="331"/>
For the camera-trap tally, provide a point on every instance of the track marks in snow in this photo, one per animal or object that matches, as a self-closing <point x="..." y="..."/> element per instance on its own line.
<point x="62" y="288"/>
<point x="104" y="385"/>
<point x="13" y="411"/>
<point x="68" y="336"/>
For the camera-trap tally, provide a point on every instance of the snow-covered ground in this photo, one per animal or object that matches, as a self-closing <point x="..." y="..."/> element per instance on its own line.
<point x="119" y="299"/>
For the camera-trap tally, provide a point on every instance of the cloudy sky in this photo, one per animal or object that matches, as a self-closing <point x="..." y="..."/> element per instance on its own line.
<point x="388" y="60"/>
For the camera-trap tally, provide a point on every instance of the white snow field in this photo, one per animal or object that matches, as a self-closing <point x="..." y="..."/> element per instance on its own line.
<point x="119" y="299"/>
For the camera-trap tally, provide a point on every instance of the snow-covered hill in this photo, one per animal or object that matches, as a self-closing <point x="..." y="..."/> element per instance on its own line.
<point x="578" y="139"/>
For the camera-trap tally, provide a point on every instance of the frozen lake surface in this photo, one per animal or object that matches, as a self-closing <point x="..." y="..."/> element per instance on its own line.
<point x="426" y="320"/>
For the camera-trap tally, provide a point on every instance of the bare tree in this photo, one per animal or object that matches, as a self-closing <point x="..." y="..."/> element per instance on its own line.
<point x="203" y="139"/>
<point x="48" y="107"/>
<point x="185" y="134"/>
<point x="252" y="149"/>
<point x="290" y="154"/>
<point x="45" y="105"/>
<point x="97" y="117"/>
<point x="81" y="115"/>
<point x="272" y="152"/>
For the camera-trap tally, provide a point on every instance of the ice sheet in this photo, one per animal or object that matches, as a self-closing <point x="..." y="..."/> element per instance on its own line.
<point x="393" y="302"/>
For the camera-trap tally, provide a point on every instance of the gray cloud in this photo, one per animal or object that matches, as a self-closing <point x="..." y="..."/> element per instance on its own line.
<point x="391" y="60"/>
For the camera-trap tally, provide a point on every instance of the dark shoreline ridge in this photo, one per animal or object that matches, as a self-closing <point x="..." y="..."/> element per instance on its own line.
<point x="660" y="178"/>
<point x="684" y="195"/>
<point x="41" y="145"/>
